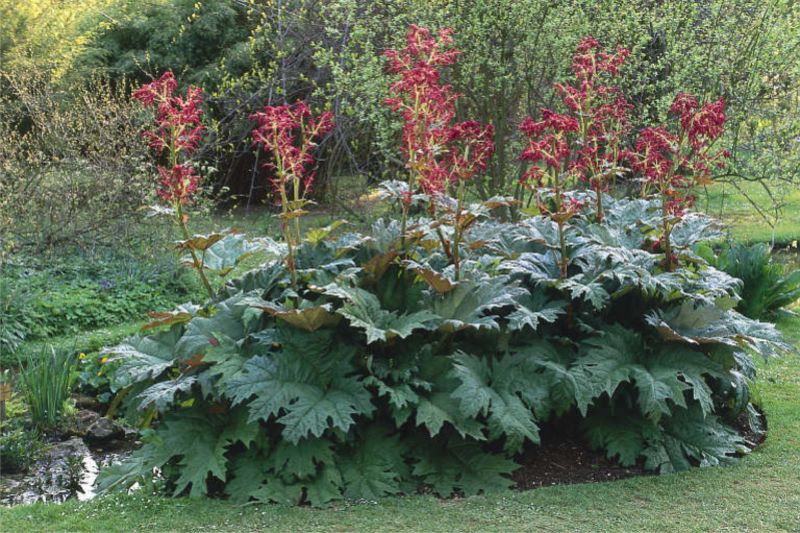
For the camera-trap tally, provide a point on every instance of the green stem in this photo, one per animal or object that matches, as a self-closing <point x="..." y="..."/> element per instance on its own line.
<point x="563" y="241"/>
<point x="149" y="415"/>
<point x="445" y="245"/>
<point x="115" y="403"/>
<point x="290" y="255"/>
<point x="457" y="233"/>
<point x="666" y="237"/>
<point x="599" y="215"/>
<point x="296" y="205"/>
<point x="287" y="235"/>
<point x="403" y="218"/>
<point x="198" y="265"/>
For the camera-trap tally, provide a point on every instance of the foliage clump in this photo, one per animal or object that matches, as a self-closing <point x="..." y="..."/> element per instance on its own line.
<point x="390" y="375"/>
<point x="766" y="287"/>
<point x="47" y="381"/>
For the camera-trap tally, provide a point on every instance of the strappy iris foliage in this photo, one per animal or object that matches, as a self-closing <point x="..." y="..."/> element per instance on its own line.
<point x="383" y="374"/>
<point x="766" y="288"/>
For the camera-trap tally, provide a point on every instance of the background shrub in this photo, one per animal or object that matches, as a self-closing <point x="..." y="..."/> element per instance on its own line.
<point x="329" y="53"/>
<point x="73" y="166"/>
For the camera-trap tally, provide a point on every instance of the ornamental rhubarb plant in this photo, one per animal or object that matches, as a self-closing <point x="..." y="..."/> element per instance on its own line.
<point x="387" y="376"/>
<point x="671" y="164"/>
<point x="178" y="131"/>
<point x="583" y="144"/>
<point x="389" y="379"/>
<point x="441" y="156"/>
<point x="290" y="134"/>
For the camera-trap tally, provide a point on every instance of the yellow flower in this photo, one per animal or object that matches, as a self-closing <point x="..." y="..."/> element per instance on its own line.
<point x="103" y="360"/>
<point x="370" y="196"/>
<point x="81" y="356"/>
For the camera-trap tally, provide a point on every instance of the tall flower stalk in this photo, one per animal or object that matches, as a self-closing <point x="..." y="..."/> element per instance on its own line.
<point x="470" y="147"/>
<point x="601" y="111"/>
<point x="176" y="137"/>
<point x="583" y="144"/>
<point x="587" y="143"/>
<point x="549" y="151"/>
<point x="440" y="154"/>
<point x="290" y="133"/>
<point x="673" y="164"/>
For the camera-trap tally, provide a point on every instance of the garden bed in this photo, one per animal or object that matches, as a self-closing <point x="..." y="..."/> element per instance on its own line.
<point x="562" y="335"/>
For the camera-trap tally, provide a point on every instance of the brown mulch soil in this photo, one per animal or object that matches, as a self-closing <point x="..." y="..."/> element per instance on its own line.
<point x="563" y="459"/>
<point x="753" y="438"/>
<point x="566" y="462"/>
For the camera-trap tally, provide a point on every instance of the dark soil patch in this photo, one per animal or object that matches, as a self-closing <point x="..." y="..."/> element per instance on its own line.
<point x="566" y="462"/>
<point x="564" y="459"/>
<point x="753" y="437"/>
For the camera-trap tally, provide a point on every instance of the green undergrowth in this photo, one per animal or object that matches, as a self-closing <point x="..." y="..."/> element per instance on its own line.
<point x="88" y="341"/>
<point x="759" y="493"/>
<point x="65" y="294"/>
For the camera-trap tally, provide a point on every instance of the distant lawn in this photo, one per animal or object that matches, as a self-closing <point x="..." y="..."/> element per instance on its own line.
<point x="732" y="207"/>
<point x="720" y="200"/>
<point x="760" y="493"/>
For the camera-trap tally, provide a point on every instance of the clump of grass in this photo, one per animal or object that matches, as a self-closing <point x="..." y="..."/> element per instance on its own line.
<point x="46" y="381"/>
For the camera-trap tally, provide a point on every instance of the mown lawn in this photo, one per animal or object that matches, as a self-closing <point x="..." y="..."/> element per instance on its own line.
<point x="733" y="208"/>
<point x="760" y="493"/>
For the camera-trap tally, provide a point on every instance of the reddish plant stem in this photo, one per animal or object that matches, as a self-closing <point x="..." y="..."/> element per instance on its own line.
<point x="563" y="263"/>
<point x="198" y="265"/>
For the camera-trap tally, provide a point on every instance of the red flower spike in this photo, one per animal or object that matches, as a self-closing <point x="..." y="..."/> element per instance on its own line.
<point x="587" y="141"/>
<point x="672" y="164"/>
<point x="437" y="151"/>
<point x="179" y="130"/>
<point x="178" y="184"/>
<point x="157" y="91"/>
<point x="289" y="132"/>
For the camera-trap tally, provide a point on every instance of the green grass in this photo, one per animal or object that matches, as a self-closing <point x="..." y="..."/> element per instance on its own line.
<point x="760" y="493"/>
<point x="89" y="341"/>
<point x="732" y="207"/>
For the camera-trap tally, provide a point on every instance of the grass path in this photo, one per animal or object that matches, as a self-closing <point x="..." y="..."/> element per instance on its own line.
<point x="760" y="493"/>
